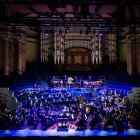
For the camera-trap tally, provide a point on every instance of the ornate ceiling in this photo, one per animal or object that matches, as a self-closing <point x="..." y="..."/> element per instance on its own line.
<point x="47" y="14"/>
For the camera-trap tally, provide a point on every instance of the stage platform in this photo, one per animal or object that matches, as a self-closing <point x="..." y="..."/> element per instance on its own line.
<point x="70" y="132"/>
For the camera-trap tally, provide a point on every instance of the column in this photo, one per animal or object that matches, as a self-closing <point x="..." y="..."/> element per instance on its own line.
<point x="0" y="54"/>
<point x="97" y="48"/>
<point x="92" y="50"/>
<point x="110" y="47"/>
<point x="134" y="54"/>
<point x="100" y="53"/>
<point x="24" y="55"/>
<point x="19" y="55"/>
<point x="46" y="45"/>
<point x="62" y="49"/>
<point x="11" y="54"/>
<point x="138" y="55"/>
<point x="129" y="58"/>
<point x="5" y="49"/>
<point x="114" y="44"/>
<point x="55" y="35"/>
<point x="58" y="49"/>
<point x="41" y="47"/>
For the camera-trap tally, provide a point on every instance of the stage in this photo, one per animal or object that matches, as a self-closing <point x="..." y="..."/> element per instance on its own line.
<point x="90" y="93"/>
<point x="70" y="132"/>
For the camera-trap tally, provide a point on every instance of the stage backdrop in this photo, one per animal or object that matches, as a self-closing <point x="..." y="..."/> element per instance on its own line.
<point x="77" y="59"/>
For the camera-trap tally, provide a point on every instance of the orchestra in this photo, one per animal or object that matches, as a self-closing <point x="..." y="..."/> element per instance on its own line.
<point x="62" y="107"/>
<point x="70" y="107"/>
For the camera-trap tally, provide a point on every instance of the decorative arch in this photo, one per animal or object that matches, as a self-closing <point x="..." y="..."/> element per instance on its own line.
<point x="77" y="58"/>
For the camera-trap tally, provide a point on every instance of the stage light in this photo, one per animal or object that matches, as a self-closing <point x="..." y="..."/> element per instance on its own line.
<point x="67" y="29"/>
<point x="59" y="124"/>
<point x="100" y="33"/>
<point x="46" y="33"/>
<point x="60" y="31"/>
<point x="64" y="124"/>
<point x="133" y="27"/>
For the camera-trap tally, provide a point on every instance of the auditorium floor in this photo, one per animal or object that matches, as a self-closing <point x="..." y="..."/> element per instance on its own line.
<point x="70" y="132"/>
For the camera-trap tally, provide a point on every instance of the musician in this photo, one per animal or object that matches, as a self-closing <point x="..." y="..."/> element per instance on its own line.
<point x="53" y="83"/>
<point x="75" y="81"/>
<point x="81" y="121"/>
<point x="65" y="80"/>
<point x="64" y="115"/>
<point x="92" y="122"/>
<point x="61" y="83"/>
<point x="36" y="85"/>
<point x="89" y="79"/>
<point x="69" y="95"/>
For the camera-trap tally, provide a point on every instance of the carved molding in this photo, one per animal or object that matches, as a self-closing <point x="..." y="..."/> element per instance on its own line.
<point x="7" y="36"/>
<point x="20" y="37"/>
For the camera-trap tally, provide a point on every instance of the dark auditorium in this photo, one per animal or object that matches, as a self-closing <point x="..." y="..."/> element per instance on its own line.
<point x="69" y="69"/>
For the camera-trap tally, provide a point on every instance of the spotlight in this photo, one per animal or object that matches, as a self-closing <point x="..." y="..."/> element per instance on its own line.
<point x="100" y="33"/>
<point x="46" y="33"/>
<point x="59" y="124"/>
<point x="67" y="29"/>
<point x="133" y="27"/>
<point x="60" y="32"/>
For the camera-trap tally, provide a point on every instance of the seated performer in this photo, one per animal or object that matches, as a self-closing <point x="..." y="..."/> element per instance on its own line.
<point x="54" y="81"/>
<point x="89" y="79"/>
<point x="65" y="80"/>
<point x="75" y="81"/>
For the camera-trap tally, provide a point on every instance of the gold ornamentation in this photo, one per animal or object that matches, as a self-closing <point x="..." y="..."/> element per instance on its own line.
<point x="77" y="59"/>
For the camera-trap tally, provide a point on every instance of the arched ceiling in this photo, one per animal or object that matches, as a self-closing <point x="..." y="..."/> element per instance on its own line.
<point x="50" y="13"/>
